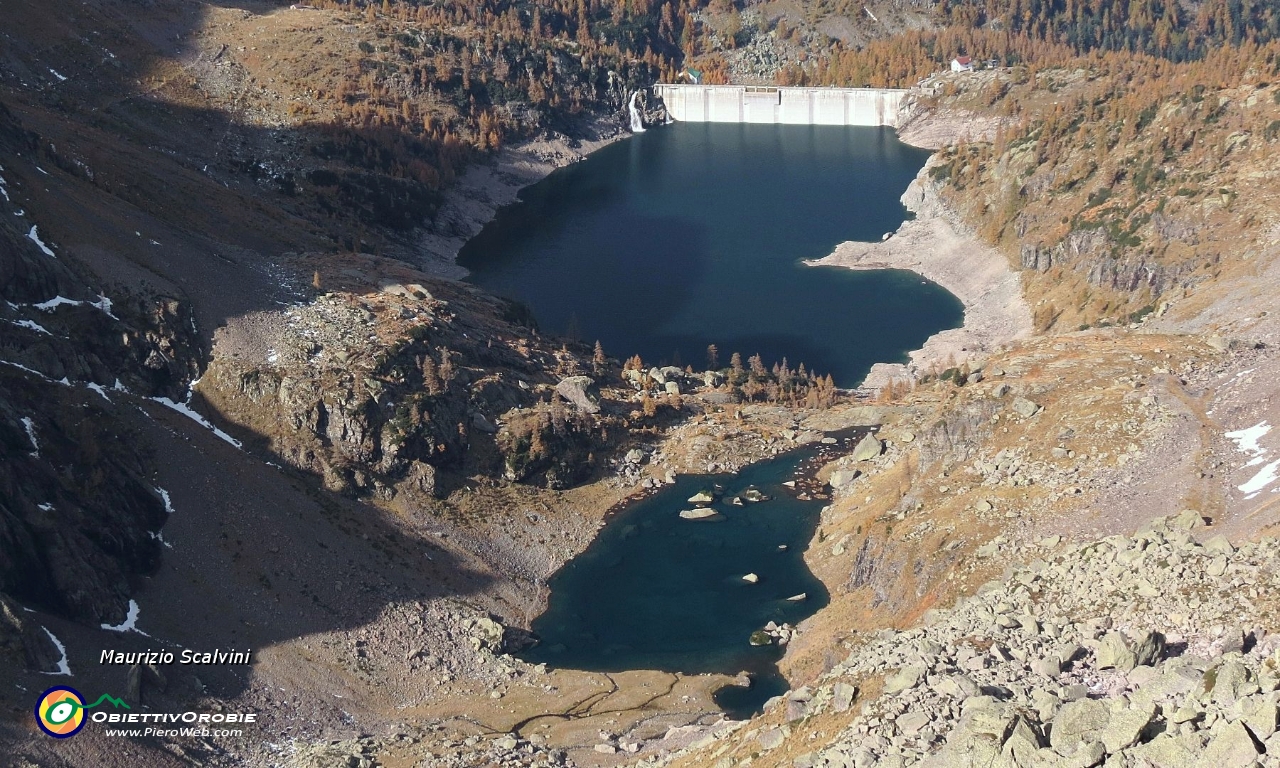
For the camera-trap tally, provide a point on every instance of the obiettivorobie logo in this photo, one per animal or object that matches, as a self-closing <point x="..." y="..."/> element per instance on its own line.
<point x="60" y="710"/>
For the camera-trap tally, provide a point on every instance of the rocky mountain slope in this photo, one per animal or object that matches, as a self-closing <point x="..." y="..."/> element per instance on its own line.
<point x="230" y="418"/>
<point x="336" y="502"/>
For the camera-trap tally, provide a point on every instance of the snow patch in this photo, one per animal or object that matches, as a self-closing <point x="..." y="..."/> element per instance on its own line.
<point x="1266" y="476"/>
<point x="98" y="388"/>
<point x="103" y="304"/>
<point x="64" y="667"/>
<point x="130" y="621"/>
<point x="1246" y="440"/>
<point x="186" y="410"/>
<point x="31" y="435"/>
<point x="34" y="237"/>
<point x="32" y="371"/>
<point x="30" y="325"/>
<point x="164" y="496"/>
<point x="55" y="302"/>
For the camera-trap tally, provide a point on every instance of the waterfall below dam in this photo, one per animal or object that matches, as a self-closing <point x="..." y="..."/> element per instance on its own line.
<point x="637" y="121"/>
<point x="781" y="105"/>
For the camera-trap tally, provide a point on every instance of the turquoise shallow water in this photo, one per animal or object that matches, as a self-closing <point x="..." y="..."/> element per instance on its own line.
<point x="692" y="234"/>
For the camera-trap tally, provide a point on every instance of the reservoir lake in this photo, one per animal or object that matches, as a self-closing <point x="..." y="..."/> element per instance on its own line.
<point x="679" y="237"/>
<point x="693" y="234"/>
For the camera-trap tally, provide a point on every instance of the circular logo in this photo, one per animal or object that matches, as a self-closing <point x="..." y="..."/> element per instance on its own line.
<point x="60" y="712"/>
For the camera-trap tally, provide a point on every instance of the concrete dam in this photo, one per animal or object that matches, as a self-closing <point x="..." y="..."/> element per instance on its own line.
<point x="785" y="105"/>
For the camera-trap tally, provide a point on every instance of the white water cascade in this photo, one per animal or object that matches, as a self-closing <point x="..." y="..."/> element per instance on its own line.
<point x="637" y="123"/>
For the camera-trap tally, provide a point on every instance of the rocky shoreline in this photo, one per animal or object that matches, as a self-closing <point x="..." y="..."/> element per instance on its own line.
<point x="475" y="199"/>
<point x="937" y="246"/>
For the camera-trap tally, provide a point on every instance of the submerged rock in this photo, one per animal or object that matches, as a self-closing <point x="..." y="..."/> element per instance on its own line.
<point x="702" y="513"/>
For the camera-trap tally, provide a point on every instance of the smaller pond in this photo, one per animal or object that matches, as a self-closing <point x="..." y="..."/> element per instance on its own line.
<point x="656" y="591"/>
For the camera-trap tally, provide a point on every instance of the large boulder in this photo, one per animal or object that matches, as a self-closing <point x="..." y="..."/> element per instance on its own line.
<point x="1078" y="722"/>
<point x="1149" y="650"/>
<point x="867" y="448"/>
<point x="581" y="392"/>
<point x="1231" y="745"/>
<point x="486" y="633"/>
<point x="1126" y="725"/>
<point x="842" y="696"/>
<point x="842" y="477"/>
<point x="1025" y="408"/>
<point x="1113" y="652"/>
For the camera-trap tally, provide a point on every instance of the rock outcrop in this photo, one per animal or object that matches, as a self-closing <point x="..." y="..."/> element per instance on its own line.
<point x="78" y="516"/>
<point x="1130" y="651"/>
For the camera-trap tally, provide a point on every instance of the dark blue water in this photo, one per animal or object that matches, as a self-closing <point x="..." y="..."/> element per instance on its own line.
<point x="692" y="234"/>
<point x="680" y="237"/>
<point x="655" y="591"/>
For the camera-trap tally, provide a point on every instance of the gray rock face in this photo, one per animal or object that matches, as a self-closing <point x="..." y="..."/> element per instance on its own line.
<point x="1188" y="519"/>
<point x="1114" y="653"/>
<point x="842" y="477"/>
<point x="1125" y="725"/>
<point x="1079" y="722"/>
<point x="1149" y="650"/>
<point x="1232" y="745"/>
<point x="1024" y="407"/>
<point x="842" y="696"/>
<point x="867" y="448"/>
<point x="905" y="678"/>
<point x="422" y="477"/>
<point x="581" y="392"/>
<point x="482" y="423"/>
<point x="771" y="738"/>
<point x="23" y="643"/>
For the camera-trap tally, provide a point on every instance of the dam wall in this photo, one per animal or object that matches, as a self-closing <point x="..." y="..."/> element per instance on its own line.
<point x="785" y="105"/>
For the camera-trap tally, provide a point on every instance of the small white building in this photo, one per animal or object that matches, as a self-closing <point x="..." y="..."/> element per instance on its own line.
<point x="962" y="64"/>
